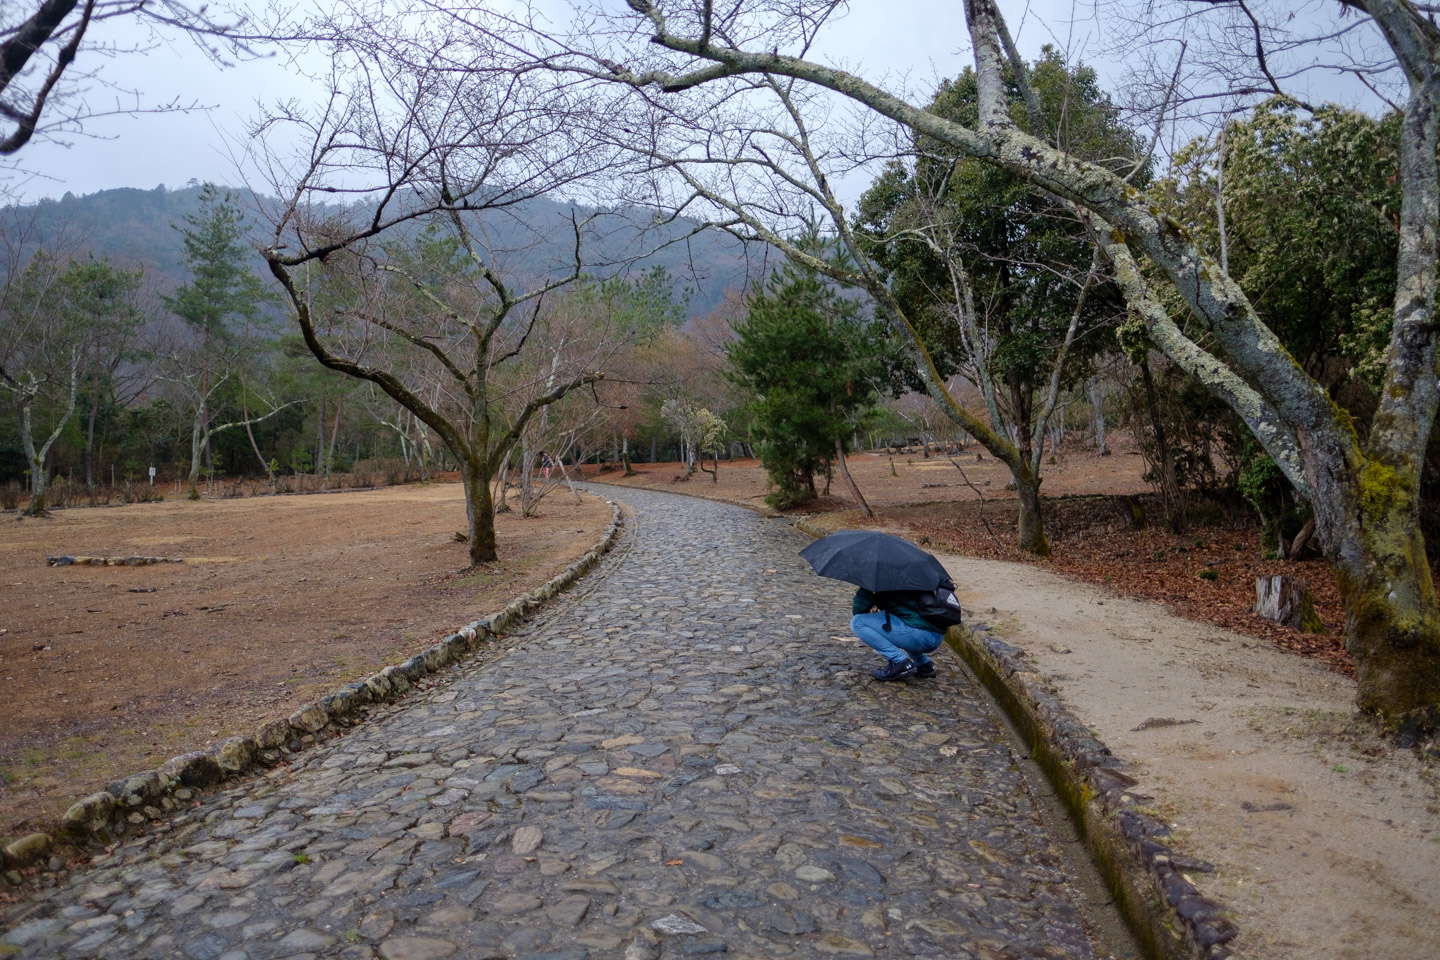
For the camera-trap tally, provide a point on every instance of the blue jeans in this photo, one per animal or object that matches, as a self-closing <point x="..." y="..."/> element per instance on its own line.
<point x="900" y="642"/>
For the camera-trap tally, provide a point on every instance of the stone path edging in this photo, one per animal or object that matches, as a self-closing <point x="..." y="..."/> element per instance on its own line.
<point x="1161" y="906"/>
<point x="152" y="795"/>
<point x="1147" y="878"/>
<point x="131" y="561"/>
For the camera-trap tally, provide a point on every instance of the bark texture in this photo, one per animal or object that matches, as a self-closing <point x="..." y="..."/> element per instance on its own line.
<point x="479" y="513"/>
<point x="849" y="480"/>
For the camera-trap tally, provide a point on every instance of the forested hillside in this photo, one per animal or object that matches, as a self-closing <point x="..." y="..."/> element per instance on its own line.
<point x="135" y="227"/>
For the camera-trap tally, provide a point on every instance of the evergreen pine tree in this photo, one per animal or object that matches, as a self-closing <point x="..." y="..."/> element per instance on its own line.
<point x="816" y="366"/>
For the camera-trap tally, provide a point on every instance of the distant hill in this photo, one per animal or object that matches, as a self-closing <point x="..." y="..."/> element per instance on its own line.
<point x="135" y="228"/>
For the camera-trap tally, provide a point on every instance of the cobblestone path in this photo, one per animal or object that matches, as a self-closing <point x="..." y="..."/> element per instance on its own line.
<point x="683" y="757"/>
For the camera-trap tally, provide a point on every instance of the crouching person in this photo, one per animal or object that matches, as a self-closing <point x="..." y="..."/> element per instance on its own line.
<point x="891" y="624"/>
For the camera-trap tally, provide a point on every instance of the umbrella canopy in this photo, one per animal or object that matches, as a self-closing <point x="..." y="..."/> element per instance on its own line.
<point x="876" y="561"/>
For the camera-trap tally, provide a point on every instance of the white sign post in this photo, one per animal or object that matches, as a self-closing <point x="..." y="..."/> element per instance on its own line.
<point x="152" y="476"/>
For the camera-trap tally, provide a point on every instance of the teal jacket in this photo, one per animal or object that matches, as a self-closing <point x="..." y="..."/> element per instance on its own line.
<point x="898" y="604"/>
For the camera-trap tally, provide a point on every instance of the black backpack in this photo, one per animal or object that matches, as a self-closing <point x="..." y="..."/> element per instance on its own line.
<point x="939" y="607"/>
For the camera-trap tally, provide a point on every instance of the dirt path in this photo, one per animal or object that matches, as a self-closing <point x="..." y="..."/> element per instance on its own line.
<point x="109" y="670"/>
<point x="1324" y="838"/>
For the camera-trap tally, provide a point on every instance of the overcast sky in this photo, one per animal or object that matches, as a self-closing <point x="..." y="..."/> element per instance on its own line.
<point x="915" y="39"/>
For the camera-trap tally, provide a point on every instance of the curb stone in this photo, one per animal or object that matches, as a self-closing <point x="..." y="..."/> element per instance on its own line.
<point x="1162" y="908"/>
<point x="1146" y="877"/>
<point x="132" y="801"/>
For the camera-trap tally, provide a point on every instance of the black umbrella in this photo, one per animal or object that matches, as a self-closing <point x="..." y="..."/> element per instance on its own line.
<point x="876" y="561"/>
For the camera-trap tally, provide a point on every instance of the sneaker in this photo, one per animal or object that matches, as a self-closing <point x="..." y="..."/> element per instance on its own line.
<point x="925" y="668"/>
<point x="895" y="670"/>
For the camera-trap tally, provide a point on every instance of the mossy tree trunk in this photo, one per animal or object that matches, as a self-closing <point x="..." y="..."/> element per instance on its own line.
<point x="479" y="510"/>
<point x="1031" y="532"/>
<point x="1368" y="525"/>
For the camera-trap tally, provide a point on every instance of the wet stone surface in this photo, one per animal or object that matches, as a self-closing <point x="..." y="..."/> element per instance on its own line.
<point x="680" y="758"/>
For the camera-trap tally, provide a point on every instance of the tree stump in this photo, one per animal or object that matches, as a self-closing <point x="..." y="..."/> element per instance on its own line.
<point x="1286" y="600"/>
<point x="1131" y="511"/>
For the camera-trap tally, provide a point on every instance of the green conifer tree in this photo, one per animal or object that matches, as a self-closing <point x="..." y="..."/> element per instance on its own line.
<point x="816" y="367"/>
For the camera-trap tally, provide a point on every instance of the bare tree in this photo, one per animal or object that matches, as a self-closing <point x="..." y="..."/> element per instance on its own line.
<point x="564" y="336"/>
<point x="1365" y="492"/>
<point x="427" y="148"/>
<point x="52" y="54"/>
<point x="1027" y="417"/>
<point x="467" y="331"/>
<point x="43" y="339"/>
<point x="39" y="361"/>
<point x="196" y="370"/>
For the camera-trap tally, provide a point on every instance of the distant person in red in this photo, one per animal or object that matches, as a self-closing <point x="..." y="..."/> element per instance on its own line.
<point x="545" y="464"/>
